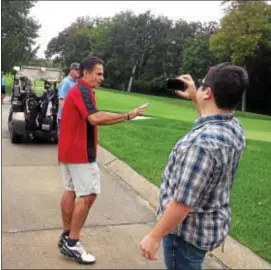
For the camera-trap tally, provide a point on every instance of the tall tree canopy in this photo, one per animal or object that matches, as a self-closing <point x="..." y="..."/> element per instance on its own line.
<point x="141" y="51"/>
<point x="72" y="44"/>
<point x="244" y="38"/>
<point x="143" y="47"/>
<point x="245" y="31"/>
<point x="18" y="32"/>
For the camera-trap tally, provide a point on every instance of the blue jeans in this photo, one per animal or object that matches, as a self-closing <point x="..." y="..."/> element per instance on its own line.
<point x="180" y="255"/>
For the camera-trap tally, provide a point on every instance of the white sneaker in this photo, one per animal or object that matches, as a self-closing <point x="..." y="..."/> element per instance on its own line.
<point x="78" y="252"/>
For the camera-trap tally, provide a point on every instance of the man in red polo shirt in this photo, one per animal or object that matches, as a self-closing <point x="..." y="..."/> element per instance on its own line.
<point x="77" y="151"/>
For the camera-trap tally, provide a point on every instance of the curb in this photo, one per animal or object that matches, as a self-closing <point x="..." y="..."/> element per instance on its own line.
<point x="235" y="255"/>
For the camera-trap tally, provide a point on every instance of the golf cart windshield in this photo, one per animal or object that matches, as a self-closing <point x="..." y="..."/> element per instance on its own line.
<point x="41" y="73"/>
<point x="37" y="76"/>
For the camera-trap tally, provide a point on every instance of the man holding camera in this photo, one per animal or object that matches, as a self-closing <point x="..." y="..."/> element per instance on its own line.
<point x="194" y="213"/>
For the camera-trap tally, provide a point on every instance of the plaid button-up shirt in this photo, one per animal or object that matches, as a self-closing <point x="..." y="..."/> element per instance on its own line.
<point x="199" y="173"/>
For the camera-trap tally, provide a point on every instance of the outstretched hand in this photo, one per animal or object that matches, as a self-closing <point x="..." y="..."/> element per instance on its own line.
<point x="138" y="111"/>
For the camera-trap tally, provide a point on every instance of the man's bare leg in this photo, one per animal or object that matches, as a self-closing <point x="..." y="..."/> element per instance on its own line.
<point x="67" y="208"/>
<point x="80" y="213"/>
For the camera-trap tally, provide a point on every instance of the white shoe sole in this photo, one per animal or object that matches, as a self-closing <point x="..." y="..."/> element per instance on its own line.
<point x="69" y="255"/>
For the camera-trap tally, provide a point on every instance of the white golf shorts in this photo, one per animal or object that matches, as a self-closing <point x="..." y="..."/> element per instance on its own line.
<point x="83" y="178"/>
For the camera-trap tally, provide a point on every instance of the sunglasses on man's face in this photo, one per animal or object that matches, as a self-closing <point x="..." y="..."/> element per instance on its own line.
<point x="201" y="82"/>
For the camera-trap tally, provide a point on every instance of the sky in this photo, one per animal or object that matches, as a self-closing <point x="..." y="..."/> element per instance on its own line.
<point x="55" y="16"/>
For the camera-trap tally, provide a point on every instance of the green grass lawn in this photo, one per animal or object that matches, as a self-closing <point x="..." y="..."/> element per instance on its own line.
<point x="145" y="145"/>
<point x="256" y="126"/>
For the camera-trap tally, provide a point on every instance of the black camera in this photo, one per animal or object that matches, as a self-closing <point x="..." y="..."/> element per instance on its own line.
<point x="173" y="84"/>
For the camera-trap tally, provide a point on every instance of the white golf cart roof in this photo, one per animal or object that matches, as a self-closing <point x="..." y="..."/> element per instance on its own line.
<point x="35" y="73"/>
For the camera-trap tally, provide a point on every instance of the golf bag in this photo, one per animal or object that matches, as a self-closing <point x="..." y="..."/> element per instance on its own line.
<point x="47" y="117"/>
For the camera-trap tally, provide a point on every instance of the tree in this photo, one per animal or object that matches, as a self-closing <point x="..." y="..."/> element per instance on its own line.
<point x="139" y="51"/>
<point x="19" y="32"/>
<point x="233" y="4"/>
<point x="72" y="44"/>
<point x="197" y="58"/>
<point x="133" y="47"/>
<point x="245" y="33"/>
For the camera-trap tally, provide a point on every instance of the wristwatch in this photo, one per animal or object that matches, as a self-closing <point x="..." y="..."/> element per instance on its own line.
<point x="128" y="116"/>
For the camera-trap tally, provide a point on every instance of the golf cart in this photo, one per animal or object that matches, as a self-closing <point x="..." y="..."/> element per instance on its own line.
<point x="32" y="115"/>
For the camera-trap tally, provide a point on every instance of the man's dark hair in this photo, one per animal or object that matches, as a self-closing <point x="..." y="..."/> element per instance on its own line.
<point x="88" y="63"/>
<point x="228" y="82"/>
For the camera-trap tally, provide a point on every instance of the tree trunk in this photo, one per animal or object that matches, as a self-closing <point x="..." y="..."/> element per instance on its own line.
<point x="131" y="79"/>
<point x="244" y="98"/>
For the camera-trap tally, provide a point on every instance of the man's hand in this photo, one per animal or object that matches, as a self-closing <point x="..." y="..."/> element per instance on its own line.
<point x="149" y="247"/>
<point x="61" y="103"/>
<point x="138" y="111"/>
<point x="191" y="91"/>
<point x="107" y="118"/>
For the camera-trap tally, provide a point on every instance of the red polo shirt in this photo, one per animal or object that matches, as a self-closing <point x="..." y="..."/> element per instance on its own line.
<point x="78" y="138"/>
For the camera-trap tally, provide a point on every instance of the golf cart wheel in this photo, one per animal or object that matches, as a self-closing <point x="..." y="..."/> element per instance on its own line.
<point x="14" y="137"/>
<point x="53" y="139"/>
